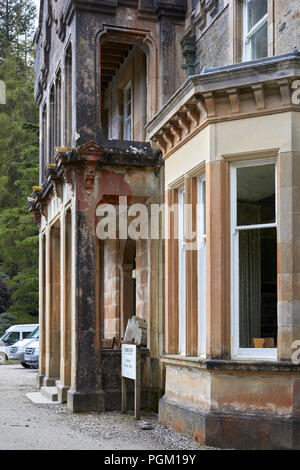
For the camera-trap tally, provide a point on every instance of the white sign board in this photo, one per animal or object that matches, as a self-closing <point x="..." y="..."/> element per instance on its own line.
<point x="129" y="361"/>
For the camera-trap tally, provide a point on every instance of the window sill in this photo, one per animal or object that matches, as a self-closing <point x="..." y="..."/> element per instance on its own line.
<point x="246" y="365"/>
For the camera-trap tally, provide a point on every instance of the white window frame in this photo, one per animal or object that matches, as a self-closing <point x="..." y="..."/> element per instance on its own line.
<point x="237" y="352"/>
<point x="181" y="274"/>
<point x="127" y="118"/>
<point x="247" y="35"/>
<point x="201" y="265"/>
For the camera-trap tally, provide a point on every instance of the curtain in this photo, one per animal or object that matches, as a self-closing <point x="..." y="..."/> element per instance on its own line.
<point x="249" y="277"/>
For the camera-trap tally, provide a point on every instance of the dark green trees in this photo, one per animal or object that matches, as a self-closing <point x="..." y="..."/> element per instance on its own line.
<point x="18" y="160"/>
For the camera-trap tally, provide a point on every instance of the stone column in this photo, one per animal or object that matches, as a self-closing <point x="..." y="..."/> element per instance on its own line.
<point x="42" y="308"/>
<point x="65" y="314"/>
<point x="85" y="92"/>
<point x="47" y="309"/>
<point x="288" y="253"/>
<point x="86" y="392"/>
<point x="53" y="308"/>
<point x="218" y="259"/>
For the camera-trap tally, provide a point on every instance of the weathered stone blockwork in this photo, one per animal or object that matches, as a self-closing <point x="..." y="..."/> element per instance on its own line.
<point x="86" y="55"/>
<point x="229" y="115"/>
<point x="212" y="47"/>
<point x="287" y="25"/>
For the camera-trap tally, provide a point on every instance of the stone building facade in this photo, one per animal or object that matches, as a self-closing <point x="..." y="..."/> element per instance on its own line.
<point x="231" y="144"/>
<point x="103" y="70"/>
<point x="195" y="103"/>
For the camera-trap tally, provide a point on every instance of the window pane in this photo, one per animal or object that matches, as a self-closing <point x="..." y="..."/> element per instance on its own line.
<point x="33" y="333"/>
<point x="127" y="130"/>
<point x="256" y="195"/>
<point x="258" y="288"/>
<point x="259" y="43"/>
<point x="256" y="10"/>
<point x="127" y="113"/>
<point x="129" y="109"/>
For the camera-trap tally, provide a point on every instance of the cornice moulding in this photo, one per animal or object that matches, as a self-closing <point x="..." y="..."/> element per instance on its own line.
<point x="237" y="75"/>
<point x="255" y="81"/>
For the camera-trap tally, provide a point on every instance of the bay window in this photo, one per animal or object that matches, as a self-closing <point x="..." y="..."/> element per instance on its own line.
<point x="254" y="259"/>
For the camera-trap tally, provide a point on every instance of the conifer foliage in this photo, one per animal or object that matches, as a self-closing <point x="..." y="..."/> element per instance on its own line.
<point x="17" y="19"/>
<point x="18" y="163"/>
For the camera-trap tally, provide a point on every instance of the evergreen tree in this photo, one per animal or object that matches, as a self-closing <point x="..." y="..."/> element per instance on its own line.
<point x="4" y="293"/>
<point x="16" y="27"/>
<point x="18" y="160"/>
<point x="6" y="320"/>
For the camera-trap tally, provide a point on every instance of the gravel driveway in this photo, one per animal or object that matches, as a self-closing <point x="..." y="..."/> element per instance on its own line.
<point x="24" y="425"/>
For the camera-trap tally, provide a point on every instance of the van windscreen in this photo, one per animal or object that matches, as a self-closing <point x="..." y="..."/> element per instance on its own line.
<point x="33" y="333"/>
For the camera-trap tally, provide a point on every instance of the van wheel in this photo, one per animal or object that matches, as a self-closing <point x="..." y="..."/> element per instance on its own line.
<point x="2" y="358"/>
<point x="26" y="366"/>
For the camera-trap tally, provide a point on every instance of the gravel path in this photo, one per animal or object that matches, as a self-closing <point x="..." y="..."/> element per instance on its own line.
<point x="24" y="425"/>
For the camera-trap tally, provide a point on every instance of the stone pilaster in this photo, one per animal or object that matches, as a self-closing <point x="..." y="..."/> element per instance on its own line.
<point x="171" y="266"/>
<point x="218" y="260"/>
<point x="191" y="268"/>
<point x="288" y="253"/>
<point x="65" y="313"/>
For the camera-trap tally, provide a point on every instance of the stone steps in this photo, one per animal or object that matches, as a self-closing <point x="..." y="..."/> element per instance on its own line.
<point x="40" y="399"/>
<point x="50" y="393"/>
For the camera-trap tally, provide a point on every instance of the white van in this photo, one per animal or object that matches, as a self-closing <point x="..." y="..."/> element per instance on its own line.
<point x="17" y="350"/>
<point x="12" y="335"/>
